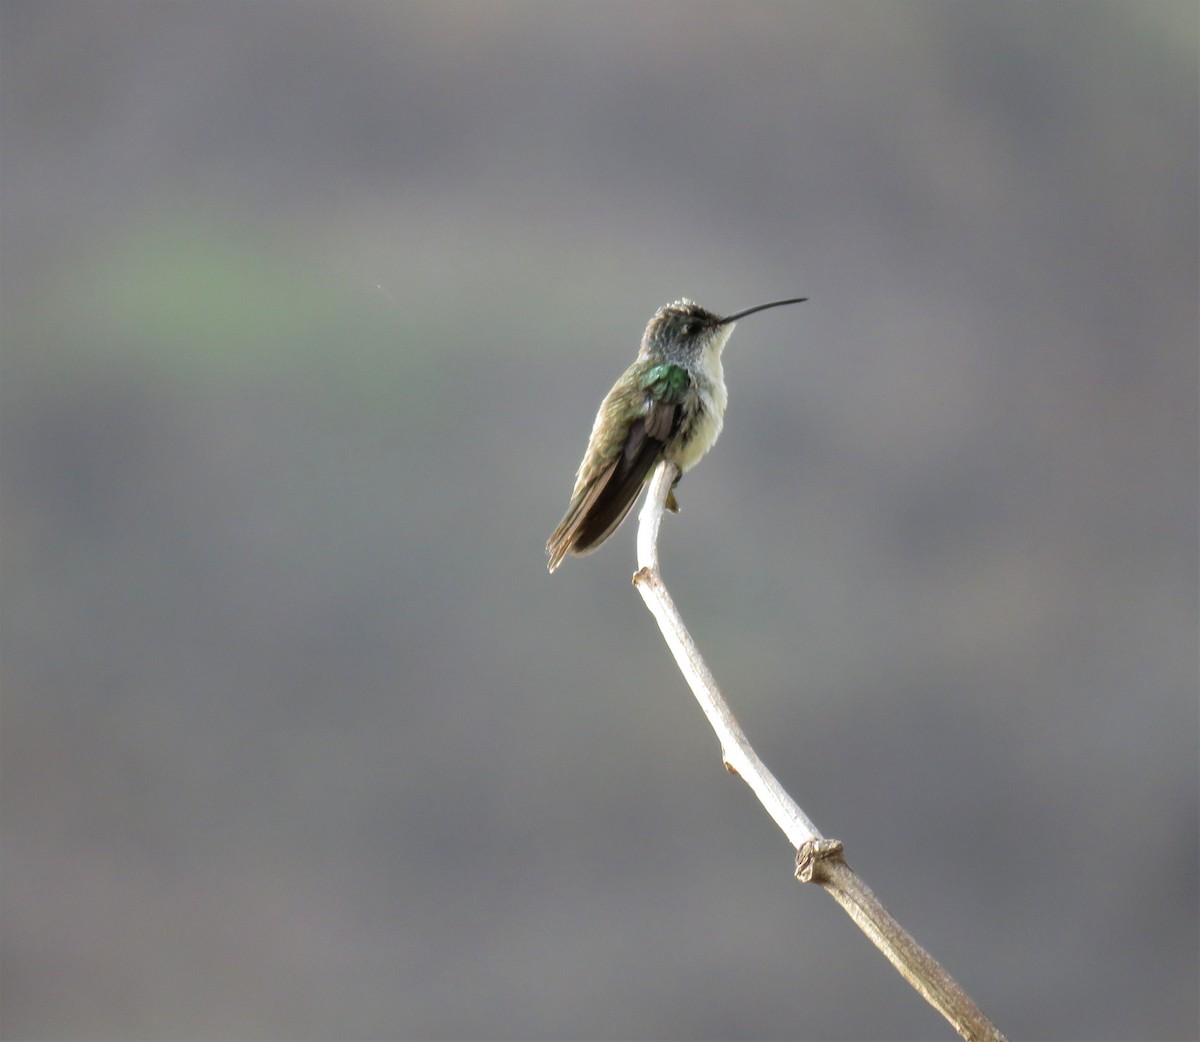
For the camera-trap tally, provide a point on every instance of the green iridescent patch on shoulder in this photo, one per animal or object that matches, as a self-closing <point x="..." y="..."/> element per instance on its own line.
<point x="665" y="382"/>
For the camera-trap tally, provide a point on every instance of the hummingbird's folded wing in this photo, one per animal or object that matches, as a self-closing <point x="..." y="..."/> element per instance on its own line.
<point x="601" y="505"/>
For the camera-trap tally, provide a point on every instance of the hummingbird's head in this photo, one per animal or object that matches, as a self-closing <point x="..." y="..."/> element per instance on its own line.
<point x="684" y="330"/>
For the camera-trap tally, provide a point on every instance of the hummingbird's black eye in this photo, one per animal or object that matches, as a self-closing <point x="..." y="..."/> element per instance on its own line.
<point x="691" y="328"/>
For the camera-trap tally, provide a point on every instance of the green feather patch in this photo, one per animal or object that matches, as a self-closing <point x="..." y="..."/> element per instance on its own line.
<point x="666" y="382"/>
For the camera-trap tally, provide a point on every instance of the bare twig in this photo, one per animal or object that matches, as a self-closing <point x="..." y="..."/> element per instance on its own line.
<point x="818" y="860"/>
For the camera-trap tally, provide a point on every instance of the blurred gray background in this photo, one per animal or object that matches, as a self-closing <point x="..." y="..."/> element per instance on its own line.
<point x="307" y="309"/>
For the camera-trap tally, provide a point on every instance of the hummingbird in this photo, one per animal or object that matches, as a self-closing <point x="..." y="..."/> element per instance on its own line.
<point x="670" y="404"/>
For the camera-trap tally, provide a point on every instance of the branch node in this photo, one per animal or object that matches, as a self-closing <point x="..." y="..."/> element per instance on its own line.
<point x="641" y="575"/>
<point x="811" y="856"/>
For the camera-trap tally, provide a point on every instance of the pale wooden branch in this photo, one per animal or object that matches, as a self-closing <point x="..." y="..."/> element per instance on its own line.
<point x="818" y="860"/>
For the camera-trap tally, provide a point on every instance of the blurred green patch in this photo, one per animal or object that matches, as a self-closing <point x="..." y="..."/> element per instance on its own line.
<point x="194" y="302"/>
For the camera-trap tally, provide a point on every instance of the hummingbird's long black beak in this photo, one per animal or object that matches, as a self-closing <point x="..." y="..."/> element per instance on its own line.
<point x="761" y="307"/>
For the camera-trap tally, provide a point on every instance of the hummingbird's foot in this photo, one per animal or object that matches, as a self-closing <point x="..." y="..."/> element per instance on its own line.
<point x="672" y="504"/>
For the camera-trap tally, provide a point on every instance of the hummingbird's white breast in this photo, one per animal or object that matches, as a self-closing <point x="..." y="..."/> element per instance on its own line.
<point x="707" y="407"/>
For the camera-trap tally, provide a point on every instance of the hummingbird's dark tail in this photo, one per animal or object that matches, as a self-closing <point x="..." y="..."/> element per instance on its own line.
<point x="594" y="515"/>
